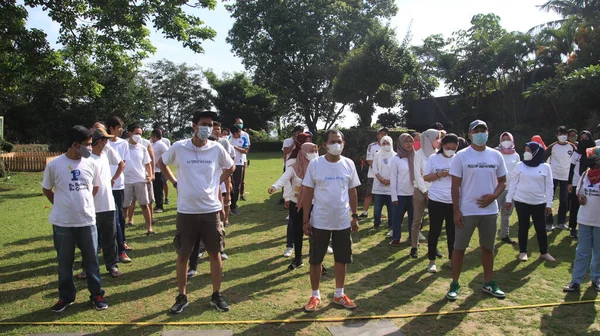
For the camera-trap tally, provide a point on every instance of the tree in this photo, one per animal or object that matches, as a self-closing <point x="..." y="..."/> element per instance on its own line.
<point x="294" y="48"/>
<point x="389" y="120"/>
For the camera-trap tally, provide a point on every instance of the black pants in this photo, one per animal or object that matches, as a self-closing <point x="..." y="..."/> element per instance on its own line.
<point x="198" y="247"/>
<point x="296" y="218"/>
<point x="537" y="213"/>
<point x="107" y="237"/>
<point x="438" y="212"/>
<point x="574" y="209"/>
<point x="237" y="184"/>
<point x="158" y="187"/>
<point x="119" y="196"/>
<point x="562" y="203"/>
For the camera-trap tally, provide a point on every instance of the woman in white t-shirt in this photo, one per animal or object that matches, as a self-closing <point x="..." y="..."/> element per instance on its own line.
<point x="402" y="176"/>
<point x="291" y="181"/>
<point x="381" y="184"/>
<point x="511" y="158"/>
<point x="584" y="142"/>
<point x="531" y="190"/>
<point x="588" y="244"/>
<point x="437" y="172"/>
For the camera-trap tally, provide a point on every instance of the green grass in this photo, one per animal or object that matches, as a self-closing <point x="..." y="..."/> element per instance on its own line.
<point x="382" y="280"/>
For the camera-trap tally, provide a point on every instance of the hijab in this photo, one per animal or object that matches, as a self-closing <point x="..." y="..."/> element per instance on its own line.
<point x="300" y="167"/>
<point x="409" y="155"/>
<point x="509" y="150"/>
<point x="427" y="139"/>
<point x="538" y="154"/>
<point x="300" y="139"/>
<point x="382" y="155"/>
<point x="593" y="155"/>
<point x="538" y="139"/>
<point x="582" y="146"/>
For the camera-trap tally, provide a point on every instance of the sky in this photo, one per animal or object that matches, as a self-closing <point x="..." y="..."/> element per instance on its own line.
<point x="427" y="18"/>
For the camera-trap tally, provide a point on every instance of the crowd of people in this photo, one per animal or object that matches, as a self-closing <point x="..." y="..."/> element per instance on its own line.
<point x="462" y="184"/>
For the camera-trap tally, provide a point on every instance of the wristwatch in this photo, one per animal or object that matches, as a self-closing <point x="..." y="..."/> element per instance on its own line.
<point x="355" y="216"/>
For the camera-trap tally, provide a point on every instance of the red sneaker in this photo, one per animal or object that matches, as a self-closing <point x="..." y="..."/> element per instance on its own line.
<point x="313" y="304"/>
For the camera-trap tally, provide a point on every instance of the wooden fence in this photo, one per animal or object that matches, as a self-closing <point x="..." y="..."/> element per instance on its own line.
<point x="28" y="162"/>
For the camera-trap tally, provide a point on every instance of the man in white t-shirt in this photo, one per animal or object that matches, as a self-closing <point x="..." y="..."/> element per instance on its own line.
<point x="202" y="165"/>
<point x="372" y="149"/>
<point x="331" y="180"/>
<point x="70" y="183"/>
<point x="240" y="124"/>
<point x="558" y="156"/>
<point x="478" y="179"/>
<point x="138" y="174"/>
<point x="241" y="146"/>
<point x="159" y="148"/>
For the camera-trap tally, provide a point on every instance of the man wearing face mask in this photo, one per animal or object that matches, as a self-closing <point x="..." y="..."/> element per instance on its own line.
<point x="70" y="183"/>
<point x="331" y="180"/>
<point x="558" y="156"/>
<point x="372" y="150"/>
<point x="138" y="174"/>
<point x="240" y="144"/>
<point x="202" y="165"/>
<point x="240" y="124"/>
<point x="478" y="179"/>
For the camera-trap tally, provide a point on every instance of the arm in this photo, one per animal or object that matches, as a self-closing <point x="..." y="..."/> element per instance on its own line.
<point x="49" y="194"/>
<point x="167" y="171"/>
<point x="226" y="174"/>
<point x="353" y="200"/>
<point x="512" y="189"/>
<point x="286" y="176"/>
<point x="393" y="179"/>
<point x="241" y="150"/>
<point x="152" y="159"/>
<point x="549" y="188"/>
<point x="419" y="181"/>
<point x="118" y="173"/>
<point x="149" y="173"/>
<point x="456" y="182"/>
<point x="548" y="153"/>
<point x="308" y="193"/>
<point x="95" y="191"/>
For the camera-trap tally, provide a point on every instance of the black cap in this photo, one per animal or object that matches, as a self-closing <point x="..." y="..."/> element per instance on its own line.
<point x="205" y="113"/>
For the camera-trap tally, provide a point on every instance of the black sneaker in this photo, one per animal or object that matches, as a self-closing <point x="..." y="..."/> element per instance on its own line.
<point x="243" y="198"/>
<point x="166" y="201"/>
<point x="364" y="215"/>
<point x="596" y="285"/>
<point x="235" y="212"/>
<point x="573" y="233"/>
<point x="218" y="302"/>
<point x="438" y="254"/>
<point x="571" y="287"/>
<point x="99" y="303"/>
<point x="295" y="265"/>
<point x="61" y="305"/>
<point x="323" y="270"/>
<point x="414" y="253"/>
<point x="180" y="303"/>
<point x="508" y="240"/>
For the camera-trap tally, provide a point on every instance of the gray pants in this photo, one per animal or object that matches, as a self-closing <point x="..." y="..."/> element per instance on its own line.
<point x="504" y="214"/>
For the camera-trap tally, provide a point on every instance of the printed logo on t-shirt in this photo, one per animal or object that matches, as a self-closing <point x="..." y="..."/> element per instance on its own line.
<point x="198" y="161"/>
<point x="385" y="161"/>
<point x="75" y="173"/>
<point x="485" y="165"/>
<point x="595" y="192"/>
<point x="570" y="152"/>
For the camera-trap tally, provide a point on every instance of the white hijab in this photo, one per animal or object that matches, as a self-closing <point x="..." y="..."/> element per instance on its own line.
<point x="427" y="139"/>
<point x="382" y="155"/>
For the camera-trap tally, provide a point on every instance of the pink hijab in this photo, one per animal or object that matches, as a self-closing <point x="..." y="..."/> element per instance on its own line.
<point x="511" y="149"/>
<point x="300" y="167"/>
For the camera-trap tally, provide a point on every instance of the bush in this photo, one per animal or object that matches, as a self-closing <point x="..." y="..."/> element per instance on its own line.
<point x="2" y="168"/>
<point x="31" y="148"/>
<point x="6" y="146"/>
<point x="259" y="136"/>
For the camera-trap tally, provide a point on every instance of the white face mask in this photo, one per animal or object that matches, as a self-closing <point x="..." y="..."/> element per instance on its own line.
<point x="311" y="156"/>
<point x="562" y="138"/>
<point x="204" y="132"/>
<point x="449" y="152"/>
<point x="386" y="148"/>
<point x="136" y="138"/>
<point x="335" y="149"/>
<point x="506" y="144"/>
<point x="527" y="156"/>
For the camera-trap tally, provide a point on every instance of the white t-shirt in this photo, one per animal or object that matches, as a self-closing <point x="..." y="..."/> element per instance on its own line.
<point x="228" y="147"/>
<point x="590" y="212"/>
<point x="400" y="182"/>
<point x="247" y="136"/>
<point x="531" y="185"/>
<point x="510" y="161"/>
<point x="199" y="171"/>
<point x="166" y="141"/>
<point x="420" y="162"/>
<point x="291" y="184"/>
<point x="289" y="142"/>
<point x="159" y="149"/>
<point x="122" y="148"/>
<point x="242" y="142"/>
<point x="73" y="182"/>
<point x="381" y="166"/>
<point x="331" y="182"/>
<point x="104" y="200"/>
<point x="135" y="167"/>
<point x="598" y="142"/>
<point x="440" y="189"/>
<point x="371" y="151"/>
<point x="479" y="172"/>
<point x="576" y="160"/>
<point x="560" y="161"/>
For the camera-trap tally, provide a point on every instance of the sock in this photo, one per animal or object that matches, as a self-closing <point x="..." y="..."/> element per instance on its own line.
<point x="339" y="292"/>
<point x="316" y="293"/>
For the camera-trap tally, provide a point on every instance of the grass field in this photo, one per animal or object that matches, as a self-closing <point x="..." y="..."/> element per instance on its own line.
<point x="258" y="286"/>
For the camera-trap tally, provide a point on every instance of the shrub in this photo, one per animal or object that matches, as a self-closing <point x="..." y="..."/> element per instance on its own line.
<point x="2" y="168"/>
<point x="31" y="148"/>
<point x="6" y="146"/>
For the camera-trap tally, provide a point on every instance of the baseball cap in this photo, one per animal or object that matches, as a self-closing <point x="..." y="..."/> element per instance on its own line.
<point x="383" y="129"/>
<point x="100" y="133"/>
<point x="206" y="113"/>
<point x="473" y="125"/>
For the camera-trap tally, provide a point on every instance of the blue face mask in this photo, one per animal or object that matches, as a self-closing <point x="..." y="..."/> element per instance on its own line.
<point x="240" y="126"/>
<point x="480" y="139"/>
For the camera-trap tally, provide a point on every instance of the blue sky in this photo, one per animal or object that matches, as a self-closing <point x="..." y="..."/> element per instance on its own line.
<point x="428" y="17"/>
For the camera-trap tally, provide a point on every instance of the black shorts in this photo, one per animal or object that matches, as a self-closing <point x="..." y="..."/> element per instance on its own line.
<point x="341" y="243"/>
<point x="190" y="227"/>
<point x="369" y="190"/>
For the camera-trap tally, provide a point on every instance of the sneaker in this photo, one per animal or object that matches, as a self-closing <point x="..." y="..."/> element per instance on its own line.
<point x="167" y="201"/>
<point x="421" y="237"/>
<point x="365" y="214"/>
<point x="235" y="212"/>
<point x="224" y="256"/>
<point x="549" y="227"/>
<point x="493" y="289"/>
<point x="201" y="254"/>
<point x="288" y="252"/>
<point x="218" y="302"/>
<point x="295" y="265"/>
<point x="243" y="198"/>
<point x="571" y="287"/>
<point x="432" y="268"/>
<point x="99" y="303"/>
<point x="288" y="217"/>
<point x="191" y="273"/>
<point x="313" y="304"/>
<point x="414" y="253"/>
<point x="345" y="301"/>
<point x="129" y="224"/>
<point x="226" y="224"/>
<point x="124" y="258"/>
<point x="390" y="234"/>
<point x="329" y="250"/>
<point x="523" y="256"/>
<point x="547" y="257"/>
<point x="158" y="211"/>
<point x="562" y="227"/>
<point x="180" y="303"/>
<point x="508" y="240"/>
<point x="61" y="305"/>
<point x="573" y="233"/>
<point x="596" y="285"/>
<point x="395" y="243"/>
<point x="454" y="290"/>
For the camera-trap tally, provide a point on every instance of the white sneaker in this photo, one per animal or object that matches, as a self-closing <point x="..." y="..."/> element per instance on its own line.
<point x="224" y="256"/>
<point x="329" y="250"/>
<point x="390" y="234"/>
<point x="288" y="252"/>
<point x="288" y="217"/>
<point x="191" y="273"/>
<point x="523" y="256"/>
<point x="562" y="227"/>
<point x="432" y="268"/>
<point x="421" y="237"/>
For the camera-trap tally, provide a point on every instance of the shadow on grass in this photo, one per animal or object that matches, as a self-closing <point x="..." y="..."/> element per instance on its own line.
<point x="577" y="319"/>
<point x="6" y="197"/>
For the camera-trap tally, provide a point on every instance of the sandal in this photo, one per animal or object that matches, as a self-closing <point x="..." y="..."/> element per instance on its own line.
<point x="115" y="273"/>
<point x="150" y="233"/>
<point x="129" y="224"/>
<point x="82" y="276"/>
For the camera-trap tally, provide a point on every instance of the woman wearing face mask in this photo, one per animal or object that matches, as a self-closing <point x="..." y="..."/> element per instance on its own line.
<point x="578" y="166"/>
<point x="531" y="190"/>
<point x="511" y="158"/>
<point x="430" y="142"/>
<point x="402" y="175"/>
<point x="381" y="184"/>
<point x="291" y="181"/>
<point x="588" y="244"/>
<point x="437" y="171"/>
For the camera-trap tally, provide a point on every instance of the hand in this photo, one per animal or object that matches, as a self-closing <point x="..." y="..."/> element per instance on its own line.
<point x="112" y="183"/>
<point x="148" y="179"/>
<point x="582" y="200"/>
<point x="386" y="182"/>
<point x="307" y="228"/>
<point x="175" y="184"/>
<point x="507" y="206"/>
<point x="458" y="219"/>
<point x="485" y="200"/>
<point x="548" y="211"/>
<point x="286" y="204"/>
<point x="354" y="224"/>
<point x="426" y="196"/>
<point x="395" y="202"/>
<point x="271" y="190"/>
<point x="570" y="188"/>
<point x="444" y="173"/>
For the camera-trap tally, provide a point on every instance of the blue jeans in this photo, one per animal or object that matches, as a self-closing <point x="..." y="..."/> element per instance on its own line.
<point x="588" y="245"/>
<point x="120" y="240"/>
<point x="380" y="201"/>
<point x="405" y="204"/>
<point x="65" y="240"/>
<point x="290" y="233"/>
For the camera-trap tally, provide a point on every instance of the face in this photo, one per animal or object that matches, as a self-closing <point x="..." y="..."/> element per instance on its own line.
<point x="381" y="135"/>
<point x="296" y="134"/>
<point x="417" y="137"/>
<point x="436" y="142"/>
<point x="335" y="138"/>
<point x="559" y="134"/>
<point x="408" y="144"/>
<point x="102" y="143"/>
<point x="505" y="138"/>
<point x="309" y="139"/>
<point x="217" y="131"/>
<point x="239" y="121"/>
<point x="117" y="130"/>
<point x="572" y="135"/>
<point x="450" y="146"/>
<point x="314" y="149"/>
<point x="136" y="131"/>
<point x="478" y="129"/>
<point x="584" y="137"/>
<point x="527" y="149"/>
<point x="224" y="134"/>
<point x="236" y="135"/>
<point x="202" y="122"/>
<point x="87" y="143"/>
<point x="386" y="143"/>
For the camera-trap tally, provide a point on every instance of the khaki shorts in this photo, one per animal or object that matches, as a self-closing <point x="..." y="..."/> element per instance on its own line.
<point x="485" y="224"/>
<point x="369" y="186"/>
<point x="191" y="227"/>
<point x="137" y="191"/>
<point x="341" y="243"/>
<point x="150" y="193"/>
